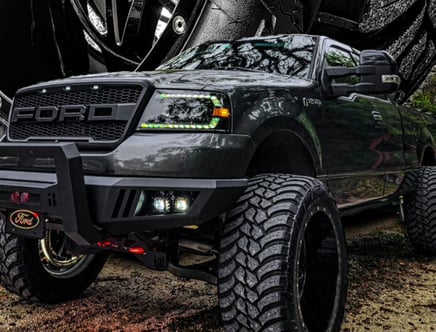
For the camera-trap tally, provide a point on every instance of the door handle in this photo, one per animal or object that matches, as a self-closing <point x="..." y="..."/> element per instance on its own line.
<point x="377" y="118"/>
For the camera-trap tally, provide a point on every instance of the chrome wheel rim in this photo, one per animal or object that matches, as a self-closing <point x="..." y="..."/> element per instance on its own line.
<point x="55" y="258"/>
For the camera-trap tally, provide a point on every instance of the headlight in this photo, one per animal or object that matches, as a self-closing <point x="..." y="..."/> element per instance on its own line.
<point x="186" y="110"/>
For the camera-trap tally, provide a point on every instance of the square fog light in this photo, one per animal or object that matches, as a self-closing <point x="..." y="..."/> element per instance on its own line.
<point x="181" y="204"/>
<point x="161" y="204"/>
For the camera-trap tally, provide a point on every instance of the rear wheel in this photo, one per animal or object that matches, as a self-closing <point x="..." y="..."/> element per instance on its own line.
<point x="282" y="264"/>
<point x="420" y="210"/>
<point x="43" y="269"/>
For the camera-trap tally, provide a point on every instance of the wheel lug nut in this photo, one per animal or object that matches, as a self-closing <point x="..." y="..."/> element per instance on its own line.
<point x="179" y="25"/>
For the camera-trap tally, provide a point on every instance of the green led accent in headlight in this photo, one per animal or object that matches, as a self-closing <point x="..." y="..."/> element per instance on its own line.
<point x="190" y="111"/>
<point x="215" y="101"/>
<point x="212" y="125"/>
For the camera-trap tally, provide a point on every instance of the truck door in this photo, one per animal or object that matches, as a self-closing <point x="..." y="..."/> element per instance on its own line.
<point x="390" y="145"/>
<point x="350" y="134"/>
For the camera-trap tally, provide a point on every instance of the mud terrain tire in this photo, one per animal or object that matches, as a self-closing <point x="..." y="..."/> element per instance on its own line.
<point x="420" y="210"/>
<point x="282" y="264"/>
<point x="22" y="271"/>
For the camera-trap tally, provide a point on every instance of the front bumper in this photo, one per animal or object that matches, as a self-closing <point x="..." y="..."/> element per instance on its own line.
<point x="90" y="208"/>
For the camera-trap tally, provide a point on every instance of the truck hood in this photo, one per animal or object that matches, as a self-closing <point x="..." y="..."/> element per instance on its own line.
<point x="220" y="79"/>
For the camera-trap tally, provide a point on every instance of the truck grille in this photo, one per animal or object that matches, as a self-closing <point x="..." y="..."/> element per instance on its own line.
<point x="84" y="96"/>
<point x="60" y="114"/>
<point x="101" y="131"/>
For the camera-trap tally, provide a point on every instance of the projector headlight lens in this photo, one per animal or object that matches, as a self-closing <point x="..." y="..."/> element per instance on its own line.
<point x="187" y="111"/>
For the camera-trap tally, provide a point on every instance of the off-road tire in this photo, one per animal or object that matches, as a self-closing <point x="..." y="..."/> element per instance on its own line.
<point x="405" y="28"/>
<point x="420" y="210"/>
<point x="22" y="272"/>
<point x="53" y="30"/>
<point x="282" y="263"/>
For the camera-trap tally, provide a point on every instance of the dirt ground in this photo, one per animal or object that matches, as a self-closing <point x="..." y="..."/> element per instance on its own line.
<point x="390" y="289"/>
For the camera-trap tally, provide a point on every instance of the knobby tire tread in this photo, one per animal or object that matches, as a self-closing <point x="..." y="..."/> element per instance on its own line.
<point x="420" y="210"/>
<point x="21" y="271"/>
<point x="255" y="249"/>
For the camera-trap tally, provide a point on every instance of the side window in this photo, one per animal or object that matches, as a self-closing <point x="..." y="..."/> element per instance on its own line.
<point x="336" y="57"/>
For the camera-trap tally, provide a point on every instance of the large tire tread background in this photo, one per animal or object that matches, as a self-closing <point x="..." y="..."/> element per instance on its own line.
<point x="406" y="28"/>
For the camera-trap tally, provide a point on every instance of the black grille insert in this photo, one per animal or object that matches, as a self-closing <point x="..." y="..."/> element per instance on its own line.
<point x="85" y="96"/>
<point x="107" y="129"/>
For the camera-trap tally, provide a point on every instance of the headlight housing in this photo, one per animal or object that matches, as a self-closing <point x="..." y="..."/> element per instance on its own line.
<point x="186" y="111"/>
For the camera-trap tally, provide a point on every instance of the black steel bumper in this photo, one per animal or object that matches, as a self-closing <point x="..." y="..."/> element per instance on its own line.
<point x="93" y="207"/>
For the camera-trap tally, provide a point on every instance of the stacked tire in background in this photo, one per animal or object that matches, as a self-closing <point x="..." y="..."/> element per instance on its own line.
<point x="406" y="28"/>
<point x="45" y="39"/>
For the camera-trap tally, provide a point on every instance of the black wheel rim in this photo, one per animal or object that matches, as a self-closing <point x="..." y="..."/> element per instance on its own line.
<point x="302" y="273"/>
<point x="129" y="32"/>
<point x="319" y="273"/>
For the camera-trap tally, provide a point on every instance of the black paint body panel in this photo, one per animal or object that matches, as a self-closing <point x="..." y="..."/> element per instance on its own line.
<point x="361" y="146"/>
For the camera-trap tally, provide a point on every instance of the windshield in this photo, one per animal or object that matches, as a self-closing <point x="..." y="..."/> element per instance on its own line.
<point x="288" y="55"/>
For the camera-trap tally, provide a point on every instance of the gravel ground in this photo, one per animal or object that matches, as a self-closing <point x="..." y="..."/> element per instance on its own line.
<point x="390" y="289"/>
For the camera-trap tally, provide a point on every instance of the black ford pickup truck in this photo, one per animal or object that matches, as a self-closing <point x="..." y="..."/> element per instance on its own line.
<point x="245" y="152"/>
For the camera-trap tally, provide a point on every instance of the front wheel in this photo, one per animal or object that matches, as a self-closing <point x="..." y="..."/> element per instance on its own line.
<point x="43" y="270"/>
<point x="282" y="263"/>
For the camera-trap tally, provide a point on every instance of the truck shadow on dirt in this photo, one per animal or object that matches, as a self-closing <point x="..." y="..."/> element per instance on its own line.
<point x="389" y="288"/>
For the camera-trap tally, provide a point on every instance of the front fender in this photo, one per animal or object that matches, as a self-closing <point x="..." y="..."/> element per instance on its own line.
<point x="274" y="113"/>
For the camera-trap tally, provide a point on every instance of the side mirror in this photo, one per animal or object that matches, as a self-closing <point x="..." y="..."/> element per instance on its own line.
<point x="378" y="73"/>
<point x="385" y="78"/>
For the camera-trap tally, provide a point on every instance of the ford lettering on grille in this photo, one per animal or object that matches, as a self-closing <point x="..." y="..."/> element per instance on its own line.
<point x="72" y="113"/>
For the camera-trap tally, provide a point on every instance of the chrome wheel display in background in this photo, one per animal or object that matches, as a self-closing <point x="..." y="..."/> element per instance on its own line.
<point x="126" y="32"/>
<point x="135" y="32"/>
<point x="49" y="39"/>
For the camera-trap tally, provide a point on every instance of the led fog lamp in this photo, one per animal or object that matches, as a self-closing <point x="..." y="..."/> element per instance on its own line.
<point x="161" y="204"/>
<point x="164" y="202"/>
<point x="181" y="204"/>
<point x="186" y="110"/>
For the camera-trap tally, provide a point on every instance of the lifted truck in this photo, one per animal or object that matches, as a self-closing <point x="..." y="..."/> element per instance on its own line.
<point x="246" y="152"/>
